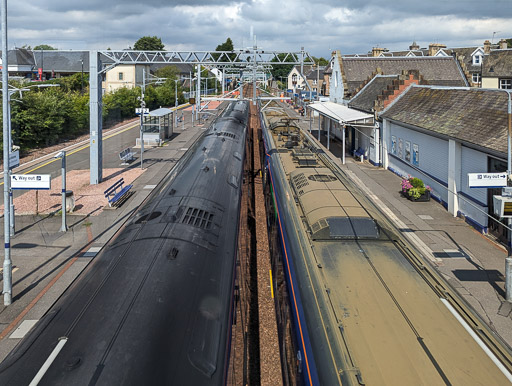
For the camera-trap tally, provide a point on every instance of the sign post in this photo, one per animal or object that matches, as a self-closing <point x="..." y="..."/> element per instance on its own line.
<point x="142" y="110"/>
<point x="487" y="180"/>
<point x="30" y="181"/>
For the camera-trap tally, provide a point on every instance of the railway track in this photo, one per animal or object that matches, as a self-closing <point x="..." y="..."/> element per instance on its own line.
<point x="364" y="306"/>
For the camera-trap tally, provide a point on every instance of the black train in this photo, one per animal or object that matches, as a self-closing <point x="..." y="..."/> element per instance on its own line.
<point x="155" y="306"/>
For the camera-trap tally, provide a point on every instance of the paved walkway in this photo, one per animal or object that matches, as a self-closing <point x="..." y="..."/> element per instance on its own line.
<point x="46" y="261"/>
<point x="471" y="262"/>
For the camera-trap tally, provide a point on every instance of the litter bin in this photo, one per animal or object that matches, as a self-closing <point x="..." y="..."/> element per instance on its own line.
<point x="70" y="201"/>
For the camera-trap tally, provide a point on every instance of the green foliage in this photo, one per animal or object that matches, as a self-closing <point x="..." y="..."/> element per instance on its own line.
<point x="169" y="72"/>
<point x="44" y="47"/>
<point x="321" y="61"/>
<point x="149" y="43"/>
<point x="509" y="43"/>
<point x="45" y="116"/>
<point x="281" y="70"/>
<point x="72" y="82"/>
<point x="226" y="46"/>
<point x="40" y="119"/>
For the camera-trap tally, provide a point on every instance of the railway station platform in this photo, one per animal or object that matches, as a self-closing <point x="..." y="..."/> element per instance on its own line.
<point x="45" y="260"/>
<point x="471" y="262"/>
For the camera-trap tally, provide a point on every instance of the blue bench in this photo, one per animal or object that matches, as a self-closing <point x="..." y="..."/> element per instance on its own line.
<point x="126" y="156"/>
<point x="117" y="193"/>
<point x="359" y="153"/>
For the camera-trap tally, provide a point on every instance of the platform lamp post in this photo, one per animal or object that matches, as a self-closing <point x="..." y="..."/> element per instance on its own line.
<point x="7" y="266"/>
<point x="176" y="102"/>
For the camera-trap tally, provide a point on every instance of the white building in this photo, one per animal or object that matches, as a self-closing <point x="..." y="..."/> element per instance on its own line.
<point x="442" y="134"/>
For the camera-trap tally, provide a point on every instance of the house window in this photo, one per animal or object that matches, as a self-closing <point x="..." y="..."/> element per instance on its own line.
<point x="477" y="59"/>
<point x="294" y="78"/>
<point x="121" y="76"/>
<point x="476" y="77"/>
<point x="506" y="84"/>
<point x="314" y="82"/>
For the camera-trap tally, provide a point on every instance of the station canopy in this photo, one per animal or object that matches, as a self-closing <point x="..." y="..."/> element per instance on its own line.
<point x="341" y="113"/>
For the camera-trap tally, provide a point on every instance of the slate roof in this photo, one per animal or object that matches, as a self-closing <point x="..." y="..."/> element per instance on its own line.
<point x="365" y="99"/>
<point x="439" y="71"/>
<point x="501" y="63"/>
<point x="473" y="116"/>
<point x="62" y="61"/>
<point x="183" y="68"/>
<point x="20" y="57"/>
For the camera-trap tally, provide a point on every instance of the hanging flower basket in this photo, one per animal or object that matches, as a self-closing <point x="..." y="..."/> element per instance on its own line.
<point x="415" y="190"/>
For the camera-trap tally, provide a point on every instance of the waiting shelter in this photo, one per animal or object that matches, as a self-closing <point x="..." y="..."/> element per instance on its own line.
<point x="157" y="126"/>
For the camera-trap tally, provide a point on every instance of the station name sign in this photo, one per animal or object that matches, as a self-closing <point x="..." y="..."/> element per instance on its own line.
<point x="487" y="180"/>
<point x="30" y="181"/>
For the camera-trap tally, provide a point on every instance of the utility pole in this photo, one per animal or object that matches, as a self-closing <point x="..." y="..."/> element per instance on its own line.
<point x="62" y="155"/>
<point x="142" y="106"/>
<point x="7" y="272"/>
<point x="198" y="101"/>
<point x="176" y="103"/>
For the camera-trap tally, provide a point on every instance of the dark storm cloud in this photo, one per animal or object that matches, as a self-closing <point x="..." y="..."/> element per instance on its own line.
<point x="320" y="26"/>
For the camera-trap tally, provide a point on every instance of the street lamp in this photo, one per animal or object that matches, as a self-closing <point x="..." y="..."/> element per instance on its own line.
<point x="176" y="102"/>
<point x="82" y="87"/>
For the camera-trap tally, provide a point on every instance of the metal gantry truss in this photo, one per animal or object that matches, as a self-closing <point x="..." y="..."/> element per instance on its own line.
<point x="103" y="60"/>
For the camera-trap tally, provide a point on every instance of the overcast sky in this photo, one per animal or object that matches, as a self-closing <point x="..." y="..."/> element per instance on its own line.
<point x="320" y="26"/>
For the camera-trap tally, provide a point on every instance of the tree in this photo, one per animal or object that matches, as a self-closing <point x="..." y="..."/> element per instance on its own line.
<point x="281" y="70"/>
<point x="149" y="43"/>
<point x="321" y="61"/>
<point x="226" y="46"/>
<point x="45" y="47"/>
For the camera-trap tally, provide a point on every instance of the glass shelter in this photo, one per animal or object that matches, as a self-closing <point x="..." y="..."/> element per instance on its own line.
<point x="157" y="126"/>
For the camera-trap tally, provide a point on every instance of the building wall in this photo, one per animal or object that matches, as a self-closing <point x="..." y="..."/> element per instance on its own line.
<point x="300" y="80"/>
<point x="132" y="77"/>
<point x="490" y="82"/>
<point x="336" y="90"/>
<point x="473" y="161"/>
<point x="432" y="168"/>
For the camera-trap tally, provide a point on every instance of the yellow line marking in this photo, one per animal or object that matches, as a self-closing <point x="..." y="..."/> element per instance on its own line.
<point x="75" y="151"/>
<point x="271" y="285"/>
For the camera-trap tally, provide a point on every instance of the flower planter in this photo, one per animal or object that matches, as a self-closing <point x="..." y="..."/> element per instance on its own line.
<point x="423" y="198"/>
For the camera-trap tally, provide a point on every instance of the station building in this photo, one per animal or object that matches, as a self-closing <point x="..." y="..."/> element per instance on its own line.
<point x="442" y="134"/>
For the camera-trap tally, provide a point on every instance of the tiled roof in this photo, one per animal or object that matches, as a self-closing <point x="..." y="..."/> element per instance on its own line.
<point x="501" y="63"/>
<point x="439" y="71"/>
<point x="62" y="61"/>
<point x="365" y="99"/>
<point x="20" y="57"/>
<point x="474" y="116"/>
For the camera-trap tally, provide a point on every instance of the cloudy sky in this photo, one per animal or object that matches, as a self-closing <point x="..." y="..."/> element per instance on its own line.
<point x="320" y="26"/>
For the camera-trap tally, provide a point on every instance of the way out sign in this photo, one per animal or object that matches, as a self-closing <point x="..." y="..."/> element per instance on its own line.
<point x="30" y="181"/>
<point x="487" y="180"/>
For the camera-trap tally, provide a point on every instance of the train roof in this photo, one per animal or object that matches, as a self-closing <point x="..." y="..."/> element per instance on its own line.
<point x="331" y="212"/>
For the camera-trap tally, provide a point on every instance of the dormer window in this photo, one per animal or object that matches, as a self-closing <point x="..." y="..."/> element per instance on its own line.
<point x="477" y="59"/>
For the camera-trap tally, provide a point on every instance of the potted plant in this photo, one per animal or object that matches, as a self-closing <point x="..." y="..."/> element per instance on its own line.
<point x="415" y="190"/>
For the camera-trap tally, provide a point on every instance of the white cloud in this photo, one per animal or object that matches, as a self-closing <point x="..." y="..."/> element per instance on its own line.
<point x="352" y="26"/>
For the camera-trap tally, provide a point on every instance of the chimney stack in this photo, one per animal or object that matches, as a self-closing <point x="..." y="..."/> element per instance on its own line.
<point x="487" y="47"/>
<point x="414" y="46"/>
<point x="503" y="44"/>
<point x="434" y="48"/>
<point x="376" y="51"/>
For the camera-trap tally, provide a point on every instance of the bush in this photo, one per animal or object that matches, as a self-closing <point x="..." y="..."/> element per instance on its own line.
<point x="414" y="187"/>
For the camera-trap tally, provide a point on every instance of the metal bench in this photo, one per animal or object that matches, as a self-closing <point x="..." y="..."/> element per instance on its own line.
<point x="126" y="156"/>
<point x="117" y="193"/>
<point x="359" y="153"/>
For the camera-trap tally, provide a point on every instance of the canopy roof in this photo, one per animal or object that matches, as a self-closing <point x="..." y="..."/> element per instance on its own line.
<point x="339" y="113"/>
